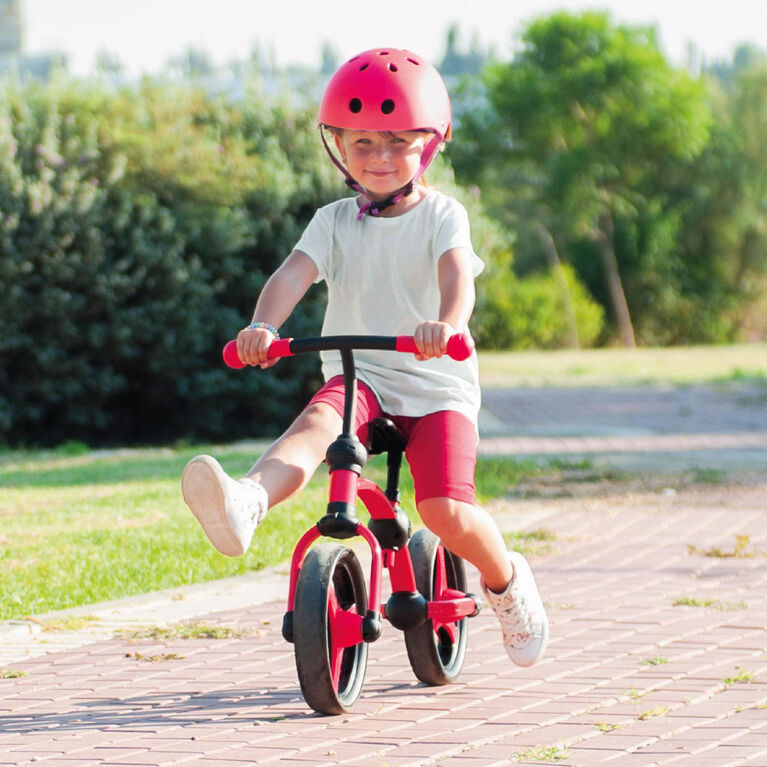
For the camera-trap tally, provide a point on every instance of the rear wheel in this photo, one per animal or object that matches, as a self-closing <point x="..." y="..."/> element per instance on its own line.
<point x="331" y="600"/>
<point x="436" y="650"/>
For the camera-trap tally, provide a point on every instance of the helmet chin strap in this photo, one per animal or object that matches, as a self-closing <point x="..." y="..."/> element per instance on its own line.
<point x="374" y="207"/>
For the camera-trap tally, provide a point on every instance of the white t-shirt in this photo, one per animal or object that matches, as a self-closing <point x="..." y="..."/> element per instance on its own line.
<point x="382" y="279"/>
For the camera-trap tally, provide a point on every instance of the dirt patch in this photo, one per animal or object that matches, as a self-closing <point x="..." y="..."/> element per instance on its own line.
<point x="612" y="482"/>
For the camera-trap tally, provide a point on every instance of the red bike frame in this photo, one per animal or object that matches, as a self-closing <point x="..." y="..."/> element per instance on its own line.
<point x="345" y="457"/>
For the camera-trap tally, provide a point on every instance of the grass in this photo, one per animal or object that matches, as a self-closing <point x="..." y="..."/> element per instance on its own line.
<point x="677" y="365"/>
<point x="67" y="623"/>
<point x="156" y="658"/>
<point x="78" y="528"/>
<point x="653" y="713"/>
<point x="741" y="677"/>
<point x="739" y="550"/>
<point x="532" y="543"/>
<point x="543" y="754"/>
<point x="717" y="604"/>
<point x="190" y="630"/>
<point x="11" y="673"/>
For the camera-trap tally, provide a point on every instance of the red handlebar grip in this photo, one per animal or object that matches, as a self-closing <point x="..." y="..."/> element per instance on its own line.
<point x="406" y="344"/>
<point x="231" y="357"/>
<point x="459" y="346"/>
<point x="280" y="347"/>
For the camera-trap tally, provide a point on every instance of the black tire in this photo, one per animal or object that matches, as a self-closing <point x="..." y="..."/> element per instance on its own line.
<point x="436" y="652"/>
<point x="330" y="575"/>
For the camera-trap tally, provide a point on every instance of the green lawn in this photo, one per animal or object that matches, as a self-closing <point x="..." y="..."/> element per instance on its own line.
<point x="79" y="526"/>
<point x="681" y="365"/>
<point x="80" y="529"/>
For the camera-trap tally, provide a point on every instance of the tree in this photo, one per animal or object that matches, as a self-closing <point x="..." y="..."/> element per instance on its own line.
<point x="722" y="198"/>
<point x="592" y="112"/>
<point x="193" y="64"/>
<point x="328" y="58"/>
<point x="455" y="62"/>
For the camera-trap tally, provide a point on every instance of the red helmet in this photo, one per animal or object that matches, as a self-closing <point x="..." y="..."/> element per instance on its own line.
<point x="387" y="89"/>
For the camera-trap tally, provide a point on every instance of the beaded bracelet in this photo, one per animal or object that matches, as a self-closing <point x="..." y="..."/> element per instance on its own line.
<point x="266" y="326"/>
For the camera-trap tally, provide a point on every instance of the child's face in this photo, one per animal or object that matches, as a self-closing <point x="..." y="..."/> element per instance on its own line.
<point x="382" y="162"/>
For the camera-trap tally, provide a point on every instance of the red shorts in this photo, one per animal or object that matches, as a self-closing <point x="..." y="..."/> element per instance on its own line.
<point x="441" y="447"/>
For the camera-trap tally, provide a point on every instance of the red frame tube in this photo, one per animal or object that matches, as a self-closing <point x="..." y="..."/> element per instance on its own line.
<point x="306" y="540"/>
<point x="343" y="486"/>
<point x="376" y="568"/>
<point x="375" y="500"/>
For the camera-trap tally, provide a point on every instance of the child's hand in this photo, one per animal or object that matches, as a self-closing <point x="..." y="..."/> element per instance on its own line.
<point x="431" y="339"/>
<point x="252" y="346"/>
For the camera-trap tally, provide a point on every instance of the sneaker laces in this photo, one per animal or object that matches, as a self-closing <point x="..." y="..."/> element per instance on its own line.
<point x="253" y="512"/>
<point x="514" y="616"/>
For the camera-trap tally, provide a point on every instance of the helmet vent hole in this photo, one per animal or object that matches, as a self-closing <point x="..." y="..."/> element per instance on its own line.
<point x="383" y="53"/>
<point x="392" y="67"/>
<point x="355" y="105"/>
<point x="364" y="67"/>
<point x="387" y="107"/>
<point x="413" y="61"/>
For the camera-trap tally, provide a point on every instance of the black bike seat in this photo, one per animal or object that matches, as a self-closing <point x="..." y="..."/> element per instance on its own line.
<point x="384" y="437"/>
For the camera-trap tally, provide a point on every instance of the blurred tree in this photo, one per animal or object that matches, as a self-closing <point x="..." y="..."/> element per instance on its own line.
<point x="138" y="227"/>
<point x="456" y="62"/>
<point x="746" y="56"/>
<point x="722" y="198"/>
<point x="192" y="64"/>
<point x="109" y="65"/>
<point x="328" y="58"/>
<point x="583" y="117"/>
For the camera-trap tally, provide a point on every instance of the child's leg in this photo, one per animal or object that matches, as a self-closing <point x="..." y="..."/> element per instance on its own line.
<point x="471" y="533"/>
<point x="230" y="510"/>
<point x="290" y="462"/>
<point x="286" y="466"/>
<point x="442" y="455"/>
<point x="507" y="579"/>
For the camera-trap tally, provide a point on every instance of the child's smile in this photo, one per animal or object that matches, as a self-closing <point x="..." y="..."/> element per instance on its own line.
<point x="382" y="162"/>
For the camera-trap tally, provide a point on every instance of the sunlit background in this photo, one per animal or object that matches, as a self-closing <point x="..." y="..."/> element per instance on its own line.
<point x="145" y="35"/>
<point x="160" y="158"/>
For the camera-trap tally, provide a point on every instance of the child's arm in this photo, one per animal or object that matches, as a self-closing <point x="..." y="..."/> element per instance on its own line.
<point x="456" y="288"/>
<point x="283" y="290"/>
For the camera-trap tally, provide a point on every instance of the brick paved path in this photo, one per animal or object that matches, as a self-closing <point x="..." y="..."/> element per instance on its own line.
<point x="630" y="677"/>
<point x="637" y="427"/>
<point x="658" y="654"/>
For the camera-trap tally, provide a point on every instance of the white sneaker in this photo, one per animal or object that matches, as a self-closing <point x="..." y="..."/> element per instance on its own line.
<point x="520" y="610"/>
<point x="228" y="510"/>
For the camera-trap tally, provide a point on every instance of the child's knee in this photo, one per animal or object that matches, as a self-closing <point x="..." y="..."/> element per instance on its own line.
<point x="446" y="517"/>
<point x="318" y="417"/>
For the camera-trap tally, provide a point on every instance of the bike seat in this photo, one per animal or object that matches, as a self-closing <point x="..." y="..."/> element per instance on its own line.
<point x="384" y="436"/>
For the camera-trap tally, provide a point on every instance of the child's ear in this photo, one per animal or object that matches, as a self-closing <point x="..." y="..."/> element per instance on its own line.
<point x="339" y="139"/>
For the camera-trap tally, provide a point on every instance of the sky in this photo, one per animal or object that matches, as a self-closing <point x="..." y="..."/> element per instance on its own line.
<point x="144" y="34"/>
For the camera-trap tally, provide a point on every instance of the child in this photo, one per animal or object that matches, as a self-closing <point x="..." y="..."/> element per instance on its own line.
<point x="397" y="259"/>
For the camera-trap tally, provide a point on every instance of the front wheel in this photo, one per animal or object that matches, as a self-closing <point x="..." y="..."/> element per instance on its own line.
<point x="436" y="651"/>
<point x="331" y="600"/>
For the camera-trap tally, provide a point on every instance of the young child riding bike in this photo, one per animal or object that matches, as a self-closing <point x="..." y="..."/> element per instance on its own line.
<point x="397" y="259"/>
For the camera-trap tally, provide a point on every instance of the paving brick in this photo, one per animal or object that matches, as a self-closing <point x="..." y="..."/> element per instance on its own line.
<point x="233" y="703"/>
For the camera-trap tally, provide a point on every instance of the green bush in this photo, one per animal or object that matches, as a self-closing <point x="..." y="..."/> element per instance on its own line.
<point x="515" y="312"/>
<point x="534" y="312"/>
<point x="137" y="229"/>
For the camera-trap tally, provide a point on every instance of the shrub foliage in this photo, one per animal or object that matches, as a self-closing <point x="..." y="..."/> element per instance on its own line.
<point x="137" y="230"/>
<point x="137" y="227"/>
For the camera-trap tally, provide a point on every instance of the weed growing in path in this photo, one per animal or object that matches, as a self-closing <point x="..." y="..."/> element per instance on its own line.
<point x="193" y="630"/>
